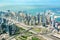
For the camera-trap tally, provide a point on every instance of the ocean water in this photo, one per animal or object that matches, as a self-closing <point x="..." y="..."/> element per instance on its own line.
<point x="32" y="9"/>
<point x="57" y="19"/>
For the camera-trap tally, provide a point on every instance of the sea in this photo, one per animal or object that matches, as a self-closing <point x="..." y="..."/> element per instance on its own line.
<point x="32" y="9"/>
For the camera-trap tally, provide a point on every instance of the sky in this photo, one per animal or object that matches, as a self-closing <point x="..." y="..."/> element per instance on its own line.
<point x="49" y="3"/>
<point x="30" y="2"/>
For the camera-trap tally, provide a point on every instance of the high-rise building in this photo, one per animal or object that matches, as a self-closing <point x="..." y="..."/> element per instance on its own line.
<point x="35" y="19"/>
<point x="32" y="20"/>
<point x="12" y="29"/>
<point x="28" y="18"/>
<point x="1" y="21"/>
<point x="43" y="20"/>
<point x="38" y="17"/>
<point x="52" y="20"/>
<point x="4" y="26"/>
<point x="1" y="29"/>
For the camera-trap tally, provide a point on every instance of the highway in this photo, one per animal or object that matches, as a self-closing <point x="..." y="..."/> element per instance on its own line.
<point x="49" y="37"/>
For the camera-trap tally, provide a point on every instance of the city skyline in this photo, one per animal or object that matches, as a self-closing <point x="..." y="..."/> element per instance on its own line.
<point x="29" y="20"/>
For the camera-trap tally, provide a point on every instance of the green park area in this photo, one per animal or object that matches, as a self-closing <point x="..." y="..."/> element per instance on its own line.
<point x="26" y="35"/>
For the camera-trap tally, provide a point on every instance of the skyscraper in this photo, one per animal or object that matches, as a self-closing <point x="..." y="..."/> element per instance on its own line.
<point x="1" y="29"/>
<point x="12" y="29"/>
<point x="43" y="20"/>
<point x="1" y="21"/>
<point x="38" y="17"/>
<point x="35" y="19"/>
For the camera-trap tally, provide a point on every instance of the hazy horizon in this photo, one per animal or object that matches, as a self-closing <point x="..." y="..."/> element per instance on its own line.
<point x="30" y="2"/>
